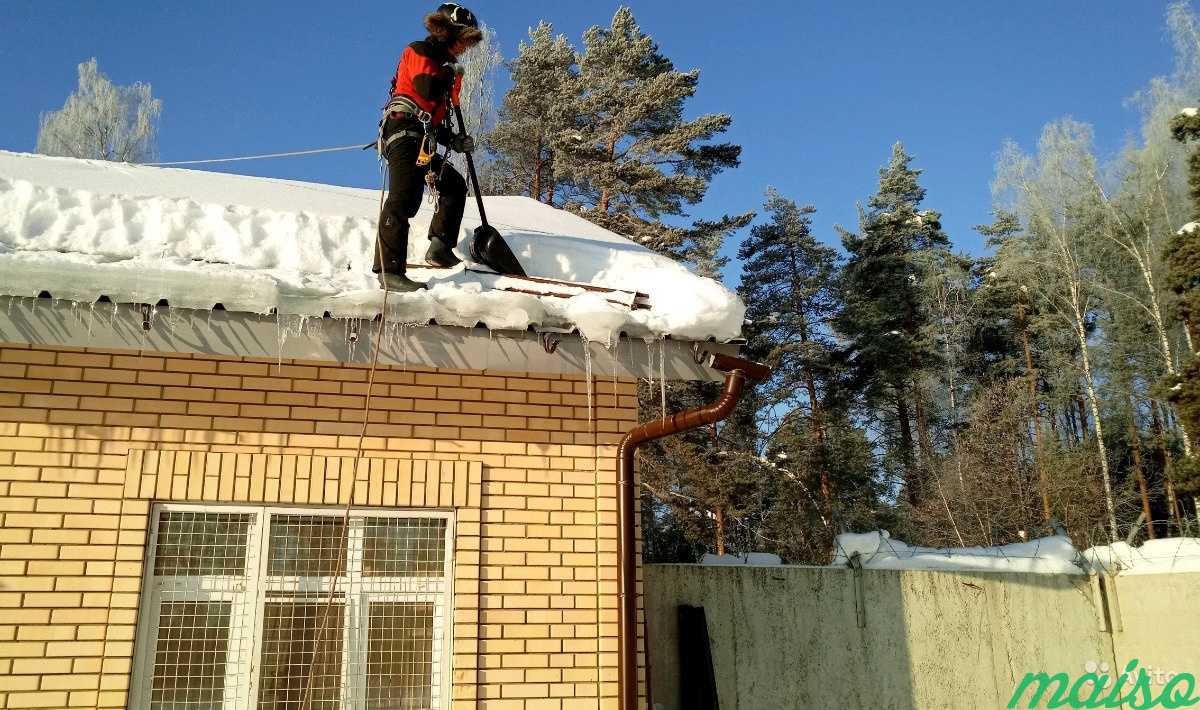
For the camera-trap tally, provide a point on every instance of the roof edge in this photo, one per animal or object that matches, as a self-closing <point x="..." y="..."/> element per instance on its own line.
<point x="141" y="327"/>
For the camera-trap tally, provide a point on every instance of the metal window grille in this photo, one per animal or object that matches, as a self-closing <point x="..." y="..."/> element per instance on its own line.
<point x="294" y="609"/>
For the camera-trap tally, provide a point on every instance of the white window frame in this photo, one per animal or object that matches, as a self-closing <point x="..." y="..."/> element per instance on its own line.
<point x="256" y="588"/>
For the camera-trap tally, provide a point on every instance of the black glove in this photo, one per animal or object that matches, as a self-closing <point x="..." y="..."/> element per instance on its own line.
<point x="462" y="143"/>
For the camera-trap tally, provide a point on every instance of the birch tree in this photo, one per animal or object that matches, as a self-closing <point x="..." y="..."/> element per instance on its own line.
<point x="1052" y="193"/>
<point x="103" y="121"/>
<point x="1138" y="224"/>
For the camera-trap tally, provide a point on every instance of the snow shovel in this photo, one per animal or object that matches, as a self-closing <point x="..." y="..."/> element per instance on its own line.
<point x="488" y="247"/>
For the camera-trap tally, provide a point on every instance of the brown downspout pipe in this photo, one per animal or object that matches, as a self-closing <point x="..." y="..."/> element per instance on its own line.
<point x="737" y="372"/>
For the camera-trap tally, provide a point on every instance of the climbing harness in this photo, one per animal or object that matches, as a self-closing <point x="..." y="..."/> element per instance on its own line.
<point x="402" y="106"/>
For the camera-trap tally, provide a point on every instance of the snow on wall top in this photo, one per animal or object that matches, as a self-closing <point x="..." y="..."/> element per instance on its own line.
<point x="1056" y="554"/>
<point x="877" y="550"/>
<point x="80" y="229"/>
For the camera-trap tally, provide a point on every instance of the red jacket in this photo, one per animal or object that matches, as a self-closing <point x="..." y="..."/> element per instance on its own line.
<point x="423" y="77"/>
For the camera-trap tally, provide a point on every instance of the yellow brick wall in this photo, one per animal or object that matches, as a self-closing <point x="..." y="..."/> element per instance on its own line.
<point x="90" y="439"/>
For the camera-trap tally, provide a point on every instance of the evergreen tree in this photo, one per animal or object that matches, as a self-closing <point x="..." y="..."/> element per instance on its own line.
<point x="1001" y="344"/>
<point x="788" y="284"/>
<point x="1182" y="252"/>
<point x="1005" y="344"/>
<point x="631" y="159"/>
<point x="536" y="111"/>
<point x="1182" y="255"/>
<point x="794" y="518"/>
<point x="706" y="483"/>
<point x="883" y="317"/>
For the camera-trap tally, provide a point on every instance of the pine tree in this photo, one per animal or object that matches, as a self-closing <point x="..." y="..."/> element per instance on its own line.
<point x="704" y="482"/>
<point x="537" y="110"/>
<point x="1006" y="343"/>
<point x="631" y="159"/>
<point x="1182" y="252"/>
<point x="788" y="284"/>
<point x="883" y="317"/>
<point x="1182" y="255"/>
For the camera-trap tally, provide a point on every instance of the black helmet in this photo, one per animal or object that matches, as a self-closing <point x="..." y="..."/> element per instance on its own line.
<point x="459" y="15"/>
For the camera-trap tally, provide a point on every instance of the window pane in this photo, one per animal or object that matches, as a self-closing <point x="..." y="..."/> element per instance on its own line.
<point x="400" y="657"/>
<point x="301" y="649"/>
<point x="189" y="660"/>
<point x="404" y="547"/>
<point x="194" y="544"/>
<point x="307" y="546"/>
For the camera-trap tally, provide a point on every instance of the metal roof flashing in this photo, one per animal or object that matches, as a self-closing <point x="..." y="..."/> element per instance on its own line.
<point x="44" y="322"/>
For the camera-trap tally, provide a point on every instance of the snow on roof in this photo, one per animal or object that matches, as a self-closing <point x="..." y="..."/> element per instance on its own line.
<point x="80" y="229"/>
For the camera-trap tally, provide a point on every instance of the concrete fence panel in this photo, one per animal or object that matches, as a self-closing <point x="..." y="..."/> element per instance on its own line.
<point x="798" y="637"/>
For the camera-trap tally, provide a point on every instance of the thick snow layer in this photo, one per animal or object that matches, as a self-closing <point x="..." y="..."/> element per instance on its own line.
<point x="748" y="559"/>
<point x="1175" y="554"/>
<point x="878" y="551"/>
<point x="1189" y="228"/>
<point x="80" y="229"/>
<point x="1190" y="112"/>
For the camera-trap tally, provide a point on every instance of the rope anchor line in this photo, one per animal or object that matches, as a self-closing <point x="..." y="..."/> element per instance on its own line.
<point x="314" y="151"/>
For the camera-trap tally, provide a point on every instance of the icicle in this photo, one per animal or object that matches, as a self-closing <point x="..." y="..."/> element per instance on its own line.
<point x="587" y="370"/>
<point x="616" y="366"/>
<point x="487" y="356"/>
<point x="280" y="339"/>
<point x="662" y="373"/>
<point x="145" y="331"/>
<point x="649" y="365"/>
<point x="91" y="317"/>
<point x="351" y="330"/>
<point x="403" y="346"/>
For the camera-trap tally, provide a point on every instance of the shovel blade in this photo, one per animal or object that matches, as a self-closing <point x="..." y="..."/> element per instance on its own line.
<point x="490" y="249"/>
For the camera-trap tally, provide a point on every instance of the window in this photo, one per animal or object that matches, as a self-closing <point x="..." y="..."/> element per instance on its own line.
<point x="294" y="609"/>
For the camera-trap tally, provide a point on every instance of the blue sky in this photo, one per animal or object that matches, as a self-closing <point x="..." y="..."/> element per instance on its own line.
<point x="819" y="91"/>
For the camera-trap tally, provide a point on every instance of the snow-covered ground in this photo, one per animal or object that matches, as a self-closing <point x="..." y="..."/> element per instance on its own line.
<point x="79" y="229"/>
<point x="1055" y="554"/>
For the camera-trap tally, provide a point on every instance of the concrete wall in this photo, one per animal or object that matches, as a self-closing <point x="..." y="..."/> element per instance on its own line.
<point x="1157" y="623"/>
<point x="789" y="637"/>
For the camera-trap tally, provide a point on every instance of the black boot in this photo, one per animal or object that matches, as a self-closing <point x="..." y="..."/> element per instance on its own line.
<point x="440" y="255"/>
<point x="399" y="283"/>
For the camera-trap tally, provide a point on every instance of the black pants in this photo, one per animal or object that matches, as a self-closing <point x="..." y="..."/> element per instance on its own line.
<point x="406" y="186"/>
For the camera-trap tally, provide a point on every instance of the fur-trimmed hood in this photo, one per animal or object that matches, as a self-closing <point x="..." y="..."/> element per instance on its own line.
<point x="444" y="30"/>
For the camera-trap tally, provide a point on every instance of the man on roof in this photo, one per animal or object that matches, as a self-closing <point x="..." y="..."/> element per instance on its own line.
<point x="415" y="121"/>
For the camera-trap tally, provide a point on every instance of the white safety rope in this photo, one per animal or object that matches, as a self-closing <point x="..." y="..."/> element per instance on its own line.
<point x="314" y="151"/>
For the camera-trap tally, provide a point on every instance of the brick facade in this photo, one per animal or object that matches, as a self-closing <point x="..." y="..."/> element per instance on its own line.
<point x="90" y="439"/>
